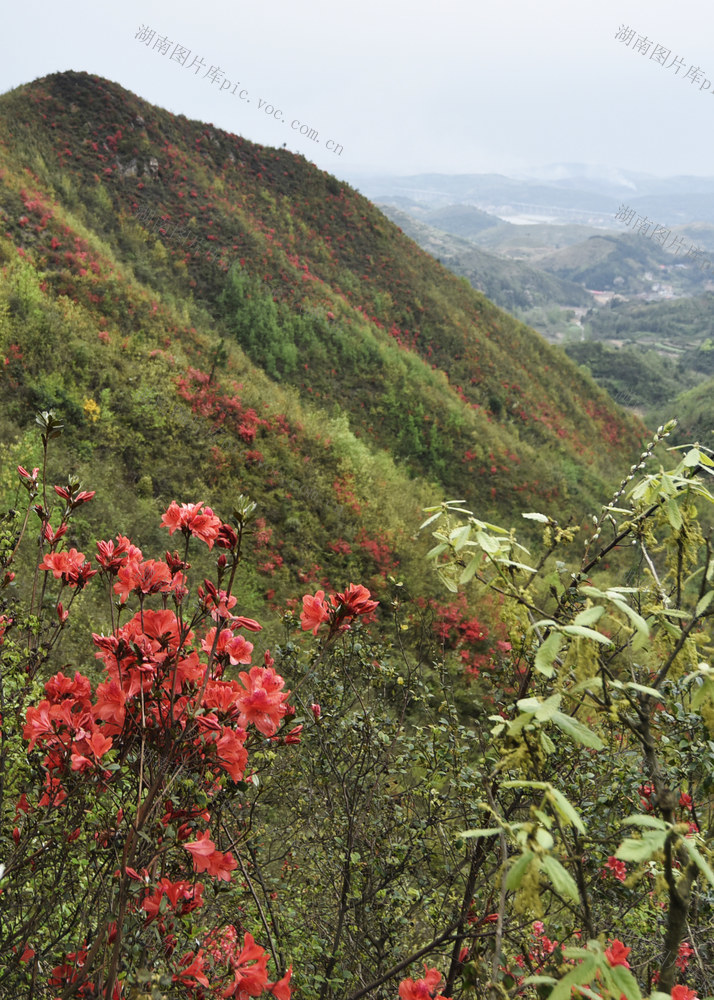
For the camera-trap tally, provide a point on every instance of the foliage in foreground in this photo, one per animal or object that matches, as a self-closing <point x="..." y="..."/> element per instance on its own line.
<point x="180" y="829"/>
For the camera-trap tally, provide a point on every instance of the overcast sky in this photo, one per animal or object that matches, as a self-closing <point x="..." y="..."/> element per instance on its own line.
<point x="404" y="86"/>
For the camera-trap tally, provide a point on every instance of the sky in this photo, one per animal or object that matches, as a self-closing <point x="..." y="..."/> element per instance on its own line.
<point x="403" y="86"/>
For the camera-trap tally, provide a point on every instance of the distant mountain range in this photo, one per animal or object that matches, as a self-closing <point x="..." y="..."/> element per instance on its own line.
<point x="567" y="194"/>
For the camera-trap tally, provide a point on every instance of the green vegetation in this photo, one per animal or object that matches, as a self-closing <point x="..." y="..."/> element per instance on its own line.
<point x="465" y="763"/>
<point x="528" y="819"/>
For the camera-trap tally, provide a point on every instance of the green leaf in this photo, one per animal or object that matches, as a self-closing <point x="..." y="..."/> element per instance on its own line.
<point x="625" y="982"/>
<point x="563" y="881"/>
<point x="589" y="616"/>
<point x="447" y="581"/>
<point x="704" y="603"/>
<point x="698" y="860"/>
<point x="547" y="709"/>
<point x="640" y="820"/>
<point x="674" y="515"/>
<point x="518" y="870"/>
<point x="488" y="544"/>
<point x="547" y="653"/>
<point x="587" y="633"/>
<point x="692" y="458"/>
<point x="480" y="833"/>
<point x="544" y="839"/>
<point x="703" y="692"/>
<point x="534" y="516"/>
<point x="516" y="565"/>
<point x="460" y="536"/>
<point x="579" y="976"/>
<point x="565" y="809"/>
<point x="652" y="692"/>
<point x="642" y="849"/>
<point x="433" y="517"/>
<point x="469" y="571"/>
<point x="636" y="619"/>
<point x="579" y="732"/>
<point x="546" y="742"/>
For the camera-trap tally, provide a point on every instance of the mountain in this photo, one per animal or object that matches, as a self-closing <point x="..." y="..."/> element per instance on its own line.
<point x="211" y="317"/>
<point x="656" y="356"/>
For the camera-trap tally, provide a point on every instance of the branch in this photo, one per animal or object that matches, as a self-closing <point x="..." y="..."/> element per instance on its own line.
<point x="400" y="966"/>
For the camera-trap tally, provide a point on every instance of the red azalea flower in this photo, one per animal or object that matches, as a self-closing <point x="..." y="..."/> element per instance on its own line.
<point x="70" y="566"/>
<point x="684" y="954"/>
<point x="683" y="993"/>
<point x="315" y="611"/>
<point x="617" y="954"/>
<point x="356" y="600"/>
<point x="618" y="869"/>
<point x="281" y="990"/>
<point x="110" y="556"/>
<point x="422" y="989"/>
<point x="191" y="520"/>
<point x="262" y="700"/>
<point x="207" y="859"/>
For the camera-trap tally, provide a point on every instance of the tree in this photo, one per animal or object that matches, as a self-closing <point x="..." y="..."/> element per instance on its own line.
<point x="607" y="733"/>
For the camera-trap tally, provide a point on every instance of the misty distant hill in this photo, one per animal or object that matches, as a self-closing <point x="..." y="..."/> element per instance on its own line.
<point x="577" y="196"/>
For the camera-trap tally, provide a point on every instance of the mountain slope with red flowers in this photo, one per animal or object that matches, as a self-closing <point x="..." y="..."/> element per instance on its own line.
<point x="210" y="318"/>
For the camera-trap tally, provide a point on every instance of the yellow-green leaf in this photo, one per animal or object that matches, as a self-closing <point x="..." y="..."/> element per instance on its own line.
<point x="563" y="881"/>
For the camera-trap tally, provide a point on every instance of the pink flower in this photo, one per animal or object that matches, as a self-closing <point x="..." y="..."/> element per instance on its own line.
<point x="207" y="859"/>
<point x="234" y="647"/>
<point x="262" y="700"/>
<point x="315" y="611"/>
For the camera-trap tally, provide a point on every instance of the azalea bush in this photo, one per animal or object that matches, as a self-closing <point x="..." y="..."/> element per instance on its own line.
<point x="129" y="863"/>
<point x="118" y="862"/>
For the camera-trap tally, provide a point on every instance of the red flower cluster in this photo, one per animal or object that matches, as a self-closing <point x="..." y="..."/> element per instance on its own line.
<point x="337" y="609"/>
<point x="71" y="567"/>
<point x="247" y="964"/>
<point x="262" y="702"/>
<point x="683" y="993"/>
<point x="617" y="954"/>
<point x="191" y="520"/>
<point x="422" y="989"/>
<point x="616" y="868"/>
<point x="164" y="698"/>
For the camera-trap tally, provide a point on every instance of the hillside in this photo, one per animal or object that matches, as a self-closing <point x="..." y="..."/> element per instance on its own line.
<point x="261" y="328"/>
<point x="621" y="262"/>
<point x="510" y="284"/>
